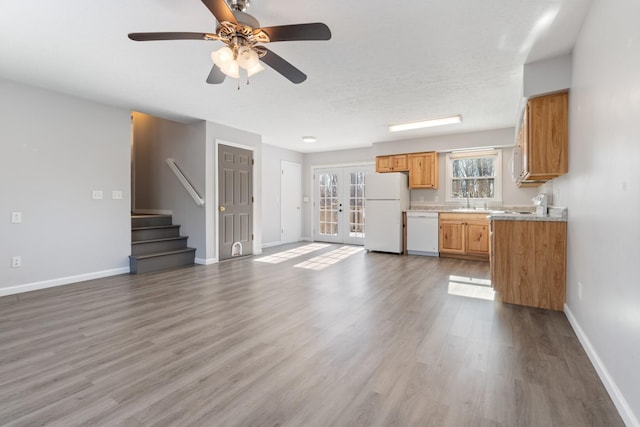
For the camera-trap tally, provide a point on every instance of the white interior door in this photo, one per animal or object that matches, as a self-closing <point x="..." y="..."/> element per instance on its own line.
<point x="339" y="204"/>
<point x="290" y="201"/>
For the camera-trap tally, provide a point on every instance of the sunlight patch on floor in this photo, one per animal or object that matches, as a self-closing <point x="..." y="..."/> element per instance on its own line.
<point x="325" y="260"/>
<point x="291" y="253"/>
<point x="471" y="287"/>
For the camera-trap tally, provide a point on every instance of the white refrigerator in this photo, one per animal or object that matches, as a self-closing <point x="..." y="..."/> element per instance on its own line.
<point x="386" y="197"/>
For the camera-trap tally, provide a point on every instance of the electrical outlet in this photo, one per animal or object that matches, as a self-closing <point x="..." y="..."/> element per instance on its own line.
<point x="97" y="195"/>
<point x="580" y="291"/>
<point x="16" y="261"/>
<point x="116" y="195"/>
<point x="16" y="217"/>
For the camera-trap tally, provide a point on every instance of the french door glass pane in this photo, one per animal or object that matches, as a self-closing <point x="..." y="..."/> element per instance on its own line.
<point x="328" y="204"/>
<point x="356" y="205"/>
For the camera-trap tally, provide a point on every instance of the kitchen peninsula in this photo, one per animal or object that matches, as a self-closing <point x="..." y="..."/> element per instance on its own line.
<point x="528" y="259"/>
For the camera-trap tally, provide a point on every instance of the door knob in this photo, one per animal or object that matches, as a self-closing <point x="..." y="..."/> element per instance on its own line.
<point x="222" y="209"/>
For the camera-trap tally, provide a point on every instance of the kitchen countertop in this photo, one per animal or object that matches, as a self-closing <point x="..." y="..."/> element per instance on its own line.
<point x="458" y="209"/>
<point x="508" y="216"/>
<point x="504" y="213"/>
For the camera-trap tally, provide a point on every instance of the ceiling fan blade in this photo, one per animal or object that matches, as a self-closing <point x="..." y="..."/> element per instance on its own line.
<point x="216" y="76"/>
<point x="283" y="67"/>
<point x="313" y="31"/>
<point x="141" y="37"/>
<point x="220" y="10"/>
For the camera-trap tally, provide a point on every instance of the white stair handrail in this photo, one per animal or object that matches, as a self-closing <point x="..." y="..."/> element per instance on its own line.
<point x="185" y="182"/>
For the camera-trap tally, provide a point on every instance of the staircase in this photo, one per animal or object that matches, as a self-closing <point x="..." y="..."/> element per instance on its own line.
<point x="156" y="244"/>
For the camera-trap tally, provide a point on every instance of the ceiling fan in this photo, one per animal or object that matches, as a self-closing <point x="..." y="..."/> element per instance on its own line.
<point x="241" y="33"/>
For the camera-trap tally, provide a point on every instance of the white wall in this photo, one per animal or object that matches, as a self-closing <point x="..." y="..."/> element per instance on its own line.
<point x="505" y="138"/>
<point x="156" y="187"/>
<point x="545" y="76"/>
<point x="511" y="194"/>
<point x="602" y="192"/>
<point x="272" y="158"/>
<point x="442" y="143"/>
<point x="56" y="149"/>
<point x="193" y="146"/>
<point x="326" y="158"/>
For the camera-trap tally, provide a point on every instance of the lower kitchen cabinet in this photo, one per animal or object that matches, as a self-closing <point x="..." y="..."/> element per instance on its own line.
<point x="464" y="235"/>
<point x="528" y="262"/>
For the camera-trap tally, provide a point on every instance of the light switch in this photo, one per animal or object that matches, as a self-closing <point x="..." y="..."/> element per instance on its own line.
<point x="16" y="217"/>
<point x="116" y="195"/>
<point x="97" y="195"/>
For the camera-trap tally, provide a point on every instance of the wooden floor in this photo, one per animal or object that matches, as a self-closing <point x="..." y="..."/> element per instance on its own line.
<point x="373" y="339"/>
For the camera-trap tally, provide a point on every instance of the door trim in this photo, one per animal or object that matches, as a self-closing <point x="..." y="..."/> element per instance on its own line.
<point x="312" y="188"/>
<point x="298" y="196"/>
<point x="213" y="207"/>
<point x="309" y="207"/>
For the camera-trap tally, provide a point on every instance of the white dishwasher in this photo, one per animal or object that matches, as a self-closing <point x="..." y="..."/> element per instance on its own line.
<point x="422" y="233"/>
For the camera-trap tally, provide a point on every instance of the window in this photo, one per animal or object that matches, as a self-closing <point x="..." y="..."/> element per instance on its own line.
<point x="476" y="174"/>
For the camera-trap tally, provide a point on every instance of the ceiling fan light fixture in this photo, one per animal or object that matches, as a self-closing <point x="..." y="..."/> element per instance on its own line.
<point x="222" y="56"/>
<point x="254" y="69"/>
<point x="440" y="121"/>
<point x="247" y="57"/>
<point x="231" y="69"/>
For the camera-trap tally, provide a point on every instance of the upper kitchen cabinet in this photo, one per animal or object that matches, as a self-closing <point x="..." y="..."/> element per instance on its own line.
<point x="423" y="170"/>
<point x="394" y="163"/>
<point x="543" y="138"/>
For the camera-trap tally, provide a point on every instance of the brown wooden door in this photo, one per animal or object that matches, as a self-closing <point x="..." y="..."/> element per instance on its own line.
<point x="477" y="238"/>
<point x="452" y="237"/>
<point x="235" y="191"/>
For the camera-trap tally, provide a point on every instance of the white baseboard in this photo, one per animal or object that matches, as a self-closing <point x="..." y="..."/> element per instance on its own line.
<point x="619" y="401"/>
<point x="306" y="239"/>
<point x="272" y="244"/>
<point x="152" y="212"/>
<point x="203" y="261"/>
<point x="27" y="287"/>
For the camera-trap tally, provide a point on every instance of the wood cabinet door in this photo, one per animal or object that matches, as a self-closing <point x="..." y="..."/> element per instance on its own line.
<point x="399" y="163"/>
<point x="477" y="234"/>
<point x="423" y="170"/>
<point x="383" y="164"/>
<point x="529" y="263"/>
<point x="395" y="163"/>
<point x="451" y="237"/>
<point x="546" y="136"/>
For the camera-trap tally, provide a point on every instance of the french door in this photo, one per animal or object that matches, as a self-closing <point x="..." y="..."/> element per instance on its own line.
<point x="339" y="204"/>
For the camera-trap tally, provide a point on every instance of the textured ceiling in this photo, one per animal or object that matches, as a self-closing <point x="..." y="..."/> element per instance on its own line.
<point x="387" y="62"/>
